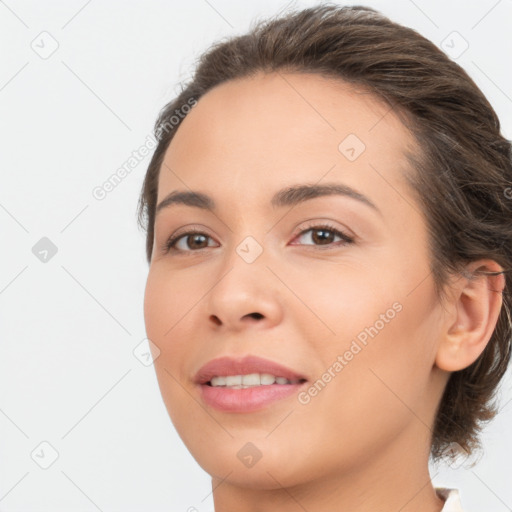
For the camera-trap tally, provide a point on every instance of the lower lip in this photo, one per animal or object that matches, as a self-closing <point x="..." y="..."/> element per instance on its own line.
<point x="246" y="400"/>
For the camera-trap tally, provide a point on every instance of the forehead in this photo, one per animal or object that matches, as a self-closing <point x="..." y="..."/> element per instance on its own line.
<point x="248" y="137"/>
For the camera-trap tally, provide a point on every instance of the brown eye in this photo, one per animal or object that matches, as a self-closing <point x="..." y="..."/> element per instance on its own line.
<point x="187" y="242"/>
<point x="196" y="241"/>
<point x="193" y="241"/>
<point x="322" y="236"/>
<point x="325" y="236"/>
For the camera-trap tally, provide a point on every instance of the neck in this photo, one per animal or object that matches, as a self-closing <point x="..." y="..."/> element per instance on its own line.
<point x="396" y="478"/>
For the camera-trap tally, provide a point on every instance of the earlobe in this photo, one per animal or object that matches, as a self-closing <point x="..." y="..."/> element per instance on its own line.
<point x="475" y="305"/>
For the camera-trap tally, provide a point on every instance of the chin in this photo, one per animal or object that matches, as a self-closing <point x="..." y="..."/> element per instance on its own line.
<point x="246" y="464"/>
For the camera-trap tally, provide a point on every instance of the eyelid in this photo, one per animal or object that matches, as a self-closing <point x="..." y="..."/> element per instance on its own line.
<point x="312" y="225"/>
<point x="326" y="223"/>
<point x="181" y="232"/>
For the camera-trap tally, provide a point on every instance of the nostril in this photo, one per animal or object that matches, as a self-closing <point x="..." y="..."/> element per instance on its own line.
<point x="215" y="319"/>
<point x="256" y="315"/>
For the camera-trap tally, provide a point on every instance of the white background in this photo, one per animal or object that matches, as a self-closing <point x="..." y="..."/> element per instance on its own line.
<point x="68" y="327"/>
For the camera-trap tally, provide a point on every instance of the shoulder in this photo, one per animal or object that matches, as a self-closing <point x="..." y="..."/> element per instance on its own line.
<point x="451" y="499"/>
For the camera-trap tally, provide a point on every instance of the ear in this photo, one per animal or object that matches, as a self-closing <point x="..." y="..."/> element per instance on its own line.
<point x="472" y="315"/>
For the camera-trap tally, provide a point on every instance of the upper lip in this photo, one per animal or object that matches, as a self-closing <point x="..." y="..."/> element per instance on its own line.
<point x="249" y="364"/>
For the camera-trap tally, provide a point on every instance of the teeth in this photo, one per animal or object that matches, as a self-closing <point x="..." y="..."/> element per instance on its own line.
<point x="253" y="379"/>
<point x="234" y="380"/>
<point x="247" y="381"/>
<point x="267" y="379"/>
<point x="218" y="381"/>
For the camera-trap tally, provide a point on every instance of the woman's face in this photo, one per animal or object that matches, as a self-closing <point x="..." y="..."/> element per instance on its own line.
<point x="358" y="320"/>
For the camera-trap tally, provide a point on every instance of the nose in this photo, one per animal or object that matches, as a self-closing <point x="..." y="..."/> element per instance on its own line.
<point x="255" y="315"/>
<point x="245" y="295"/>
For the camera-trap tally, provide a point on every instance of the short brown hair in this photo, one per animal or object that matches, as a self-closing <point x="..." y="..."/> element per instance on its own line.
<point x="462" y="174"/>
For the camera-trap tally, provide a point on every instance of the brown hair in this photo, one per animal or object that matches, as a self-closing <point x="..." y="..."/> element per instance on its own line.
<point x="463" y="172"/>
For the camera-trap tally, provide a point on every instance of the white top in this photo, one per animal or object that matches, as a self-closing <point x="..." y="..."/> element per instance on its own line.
<point x="452" y="499"/>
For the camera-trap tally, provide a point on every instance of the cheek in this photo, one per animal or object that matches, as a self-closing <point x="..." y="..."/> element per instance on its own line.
<point x="167" y="300"/>
<point x="340" y="300"/>
<point x="384" y="332"/>
<point x="166" y="303"/>
<point x="379" y="392"/>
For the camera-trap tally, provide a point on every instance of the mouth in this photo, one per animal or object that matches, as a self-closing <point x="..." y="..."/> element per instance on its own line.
<point x="250" y="381"/>
<point x="246" y="385"/>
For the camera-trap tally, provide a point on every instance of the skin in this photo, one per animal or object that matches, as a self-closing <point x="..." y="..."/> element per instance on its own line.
<point x="362" y="443"/>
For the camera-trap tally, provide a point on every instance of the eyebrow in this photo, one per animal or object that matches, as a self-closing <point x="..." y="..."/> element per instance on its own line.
<point x="289" y="196"/>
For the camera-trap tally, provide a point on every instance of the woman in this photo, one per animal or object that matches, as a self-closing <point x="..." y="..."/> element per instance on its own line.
<point x="328" y="231"/>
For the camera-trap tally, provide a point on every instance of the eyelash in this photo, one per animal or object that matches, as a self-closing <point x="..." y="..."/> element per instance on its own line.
<point x="169" y="245"/>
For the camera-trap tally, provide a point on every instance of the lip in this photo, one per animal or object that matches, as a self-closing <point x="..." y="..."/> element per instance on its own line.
<point x="246" y="365"/>
<point x="249" y="399"/>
